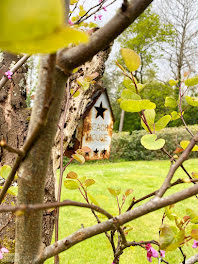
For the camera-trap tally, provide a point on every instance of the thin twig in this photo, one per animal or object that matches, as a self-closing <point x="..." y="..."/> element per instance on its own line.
<point x="6" y="224"/>
<point x="14" y="69"/>
<point x="61" y="163"/>
<point x="4" y="145"/>
<point x="177" y="164"/>
<point x="184" y="256"/>
<point x="40" y="207"/>
<point x="87" y="15"/>
<point x="181" y="112"/>
<point x="179" y="181"/>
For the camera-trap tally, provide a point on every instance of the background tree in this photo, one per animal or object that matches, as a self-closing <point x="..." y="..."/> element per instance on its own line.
<point x="181" y="54"/>
<point x="145" y="36"/>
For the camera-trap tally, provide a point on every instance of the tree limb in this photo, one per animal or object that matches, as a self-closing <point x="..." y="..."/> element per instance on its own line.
<point x="14" y="69"/>
<point x="39" y="207"/>
<point x="175" y="166"/>
<point x="68" y="59"/>
<point x="192" y="260"/>
<point x="88" y="232"/>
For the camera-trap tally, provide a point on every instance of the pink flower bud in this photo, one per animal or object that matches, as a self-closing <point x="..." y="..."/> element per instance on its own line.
<point x="9" y="74"/>
<point x="195" y="244"/>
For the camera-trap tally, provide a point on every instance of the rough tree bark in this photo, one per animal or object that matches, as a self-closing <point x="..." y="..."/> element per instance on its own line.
<point x="78" y="104"/>
<point x="14" y="120"/>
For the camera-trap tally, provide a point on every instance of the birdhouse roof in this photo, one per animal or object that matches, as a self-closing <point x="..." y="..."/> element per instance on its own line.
<point x="94" y="99"/>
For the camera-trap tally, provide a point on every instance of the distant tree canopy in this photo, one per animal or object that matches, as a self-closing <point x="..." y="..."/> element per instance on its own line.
<point x="146" y="36"/>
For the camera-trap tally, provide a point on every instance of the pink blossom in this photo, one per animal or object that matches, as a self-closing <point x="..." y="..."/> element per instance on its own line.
<point x="100" y="1"/>
<point x="105" y="8"/>
<point x="95" y="17"/>
<point x="9" y="74"/>
<point x="100" y="17"/>
<point x="162" y="253"/>
<point x="70" y="22"/>
<point x="195" y="244"/>
<point x="2" y="251"/>
<point x="151" y="252"/>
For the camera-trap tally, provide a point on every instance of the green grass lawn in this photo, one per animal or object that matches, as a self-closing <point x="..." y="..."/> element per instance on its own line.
<point x="143" y="177"/>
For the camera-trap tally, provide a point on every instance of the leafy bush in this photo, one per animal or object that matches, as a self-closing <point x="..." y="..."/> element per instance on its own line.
<point x="128" y="147"/>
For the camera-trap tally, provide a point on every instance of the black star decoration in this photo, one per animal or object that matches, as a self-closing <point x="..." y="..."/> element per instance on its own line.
<point x="100" y="110"/>
<point x="104" y="152"/>
<point x="96" y="151"/>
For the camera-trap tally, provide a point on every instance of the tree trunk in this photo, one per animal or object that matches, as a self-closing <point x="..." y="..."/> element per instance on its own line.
<point x="14" y="119"/>
<point x="78" y="104"/>
<point x="121" y="121"/>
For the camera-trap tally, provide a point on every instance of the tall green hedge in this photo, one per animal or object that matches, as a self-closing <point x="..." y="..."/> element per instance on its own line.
<point x="128" y="147"/>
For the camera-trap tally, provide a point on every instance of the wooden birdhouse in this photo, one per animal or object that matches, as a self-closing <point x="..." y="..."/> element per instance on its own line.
<point x="95" y="129"/>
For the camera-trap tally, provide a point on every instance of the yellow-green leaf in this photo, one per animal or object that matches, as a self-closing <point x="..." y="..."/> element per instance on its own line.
<point x="195" y="175"/>
<point x="169" y="213"/>
<point x="136" y="105"/>
<point x="89" y="182"/>
<point x="72" y="175"/>
<point x="71" y="185"/>
<point x="93" y="200"/>
<point x="192" y="100"/>
<point x="173" y="82"/>
<point x="5" y="171"/>
<point x="175" y="115"/>
<point x="26" y="20"/>
<point x="128" y="192"/>
<point x="170" y="238"/>
<point x="60" y="38"/>
<point x="128" y="94"/>
<point x="151" y="142"/>
<point x="79" y="158"/>
<point x="114" y="191"/>
<point x="72" y="2"/>
<point x="184" y="144"/>
<point x="191" y="81"/>
<point x="162" y="122"/>
<point x="150" y="118"/>
<point x="194" y="232"/>
<point x="170" y="102"/>
<point x="131" y="59"/>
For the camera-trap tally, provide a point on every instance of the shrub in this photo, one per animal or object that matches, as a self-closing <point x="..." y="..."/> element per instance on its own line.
<point x="128" y="147"/>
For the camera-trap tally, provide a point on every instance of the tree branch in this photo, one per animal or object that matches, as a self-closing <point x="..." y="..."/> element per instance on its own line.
<point x="83" y="234"/>
<point x="68" y="59"/>
<point x="175" y="166"/>
<point x="39" y="207"/>
<point x="192" y="260"/>
<point x="14" y="69"/>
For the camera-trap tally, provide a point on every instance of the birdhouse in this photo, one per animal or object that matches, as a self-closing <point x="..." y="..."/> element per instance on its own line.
<point x="95" y="128"/>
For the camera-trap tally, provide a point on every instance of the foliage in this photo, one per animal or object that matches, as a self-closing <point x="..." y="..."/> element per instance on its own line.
<point x="141" y="176"/>
<point x="128" y="147"/>
<point x="44" y="33"/>
<point x="147" y="42"/>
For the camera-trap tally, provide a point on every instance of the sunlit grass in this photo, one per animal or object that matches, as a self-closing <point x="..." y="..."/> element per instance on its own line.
<point x="143" y="177"/>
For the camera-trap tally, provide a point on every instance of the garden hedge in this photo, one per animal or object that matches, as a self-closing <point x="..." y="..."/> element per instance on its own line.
<point x="128" y="147"/>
